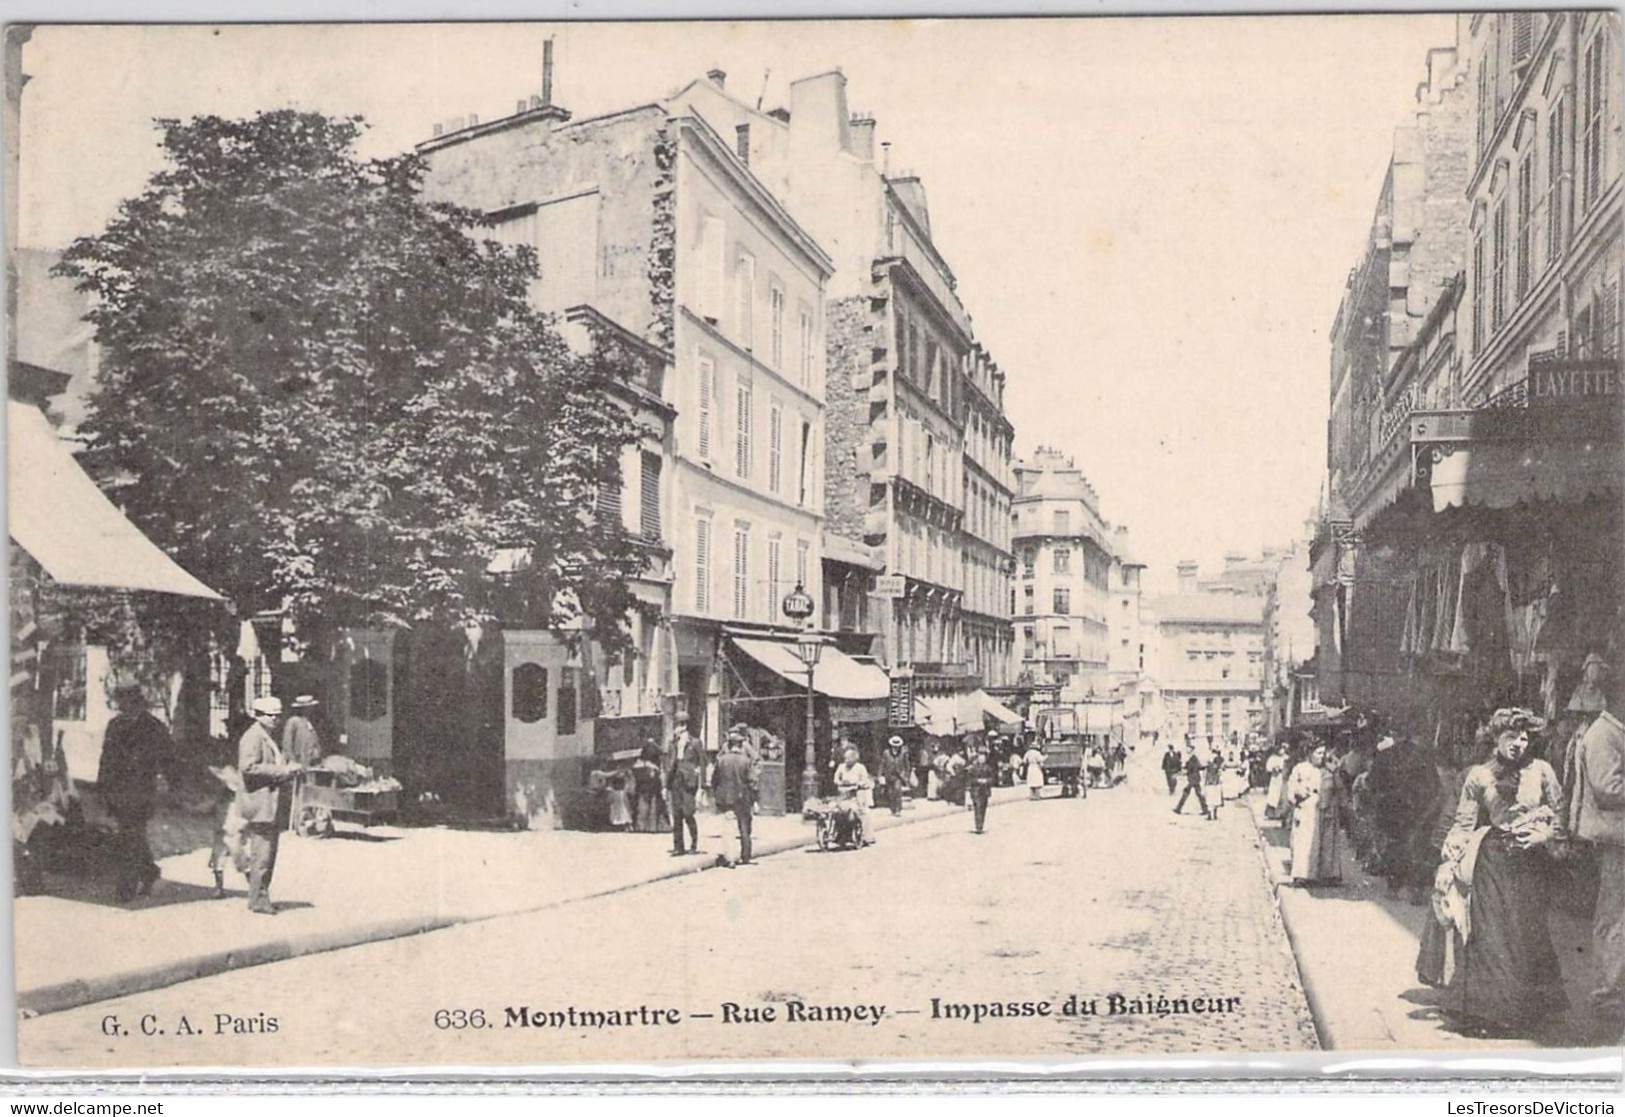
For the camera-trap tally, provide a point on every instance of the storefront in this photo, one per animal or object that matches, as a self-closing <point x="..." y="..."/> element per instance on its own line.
<point x="765" y="687"/>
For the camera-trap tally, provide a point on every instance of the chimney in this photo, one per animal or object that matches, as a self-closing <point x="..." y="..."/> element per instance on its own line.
<point x="547" y="72"/>
<point x="863" y="137"/>
<point x="1187" y="576"/>
<point x="718" y="76"/>
<point x="819" y="120"/>
<point x="885" y="158"/>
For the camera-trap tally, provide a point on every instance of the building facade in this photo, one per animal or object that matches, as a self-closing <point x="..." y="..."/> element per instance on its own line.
<point x="1209" y="662"/>
<point x="1065" y="565"/>
<point x="648" y="222"/>
<point x="917" y="449"/>
<point x="1468" y="555"/>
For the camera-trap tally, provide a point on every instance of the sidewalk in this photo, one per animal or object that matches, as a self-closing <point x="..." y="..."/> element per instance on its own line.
<point x="359" y="887"/>
<point x="1356" y="948"/>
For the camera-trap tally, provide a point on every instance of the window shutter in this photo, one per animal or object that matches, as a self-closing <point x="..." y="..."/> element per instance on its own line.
<point x="741" y="573"/>
<point x="742" y="431"/>
<point x="650" y="498"/>
<point x="774" y="547"/>
<point x="1609" y="342"/>
<point x="708" y="373"/>
<point x="1523" y="37"/>
<point x="702" y="565"/>
<point x="775" y="448"/>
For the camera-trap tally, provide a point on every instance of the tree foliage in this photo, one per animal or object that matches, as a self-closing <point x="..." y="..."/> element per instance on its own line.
<point x="318" y="387"/>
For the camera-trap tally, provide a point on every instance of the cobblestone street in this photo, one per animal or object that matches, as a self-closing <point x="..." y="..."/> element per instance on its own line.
<point x="1044" y="907"/>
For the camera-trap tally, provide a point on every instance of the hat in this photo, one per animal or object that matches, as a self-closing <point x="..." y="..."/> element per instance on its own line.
<point x="305" y="702"/>
<point x="125" y="685"/>
<point x="1510" y="718"/>
<point x="895" y="742"/>
<point x="267" y="707"/>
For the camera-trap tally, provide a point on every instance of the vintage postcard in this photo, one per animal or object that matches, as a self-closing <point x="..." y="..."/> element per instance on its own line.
<point x="674" y="542"/>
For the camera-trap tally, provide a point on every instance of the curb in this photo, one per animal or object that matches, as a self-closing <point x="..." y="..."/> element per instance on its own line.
<point x="62" y="996"/>
<point x="1311" y="993"/>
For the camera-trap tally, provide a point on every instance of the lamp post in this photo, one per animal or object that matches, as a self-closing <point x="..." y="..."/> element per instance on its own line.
<point x="798" y="606"/>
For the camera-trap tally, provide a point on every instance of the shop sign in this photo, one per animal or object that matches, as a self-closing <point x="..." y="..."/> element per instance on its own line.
<point x="891" y="585"/>
<point x="900" y="703"/>
<point x="1573" y="381"/>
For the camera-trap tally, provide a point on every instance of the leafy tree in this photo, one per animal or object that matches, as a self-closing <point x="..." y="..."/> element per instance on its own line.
<point x="319" y="388"/>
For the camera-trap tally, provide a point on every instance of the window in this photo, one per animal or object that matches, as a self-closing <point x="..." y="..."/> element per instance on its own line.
<point x="1028" y="558"/>
<point x="804" y="349"/>
<point x="803" y="553"/>
<point x="774" y="544"/>
<point x="708" y="392"/>
<point x="804" y="483"/>
<point x="1028" y="600"/>
<point x="1207" y="716"/>
<point x="742" y="447"/>
<point x="1224" y="717"/>
<point x="1063" y="560"/>
<point x="649" y="507"/>
<point x="1029" y="642"/>
<point x="1554" y="182"/>
<point x="741" y="601"/>
<point x="745" y="282"/>
<point x="567" y="703"/>
<point x="1525" y="203"/>
<point x="1190" y="716"/>
<point x="609" y="504"/>
<point x="713" y="247"/>
<point x="742" y="142"/>
<point x="1595" y="74"/>
<point x="702" y="565"/>
<point x="529" y="693"/>
<point x="1479" y="279"/>
<point x="1063" y="523"/>
<point x="1063" y="599"/>
<point x="1498" y="289"/>
<point x="1064" y="647"/>
<point x="776" y="325"/>
<point x="775" y="446"/>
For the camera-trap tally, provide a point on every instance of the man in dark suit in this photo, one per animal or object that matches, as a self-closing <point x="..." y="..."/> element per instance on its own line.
<point x="733" y="783"/>
<point x="1193" y="782"/>
<point x="134" y="748"/>
<point x="682" y="788"/>
<point x="263" y="807"/>
<point x="980" y="779"/>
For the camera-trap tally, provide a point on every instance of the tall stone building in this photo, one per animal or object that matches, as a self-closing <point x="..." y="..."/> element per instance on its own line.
<point x="1469" y="555"/>
<point x="918" y="446"/>
<point x="654" y="233"/>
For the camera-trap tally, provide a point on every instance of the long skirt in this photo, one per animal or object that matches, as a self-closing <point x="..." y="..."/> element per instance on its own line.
<point x="1274" y="796"/>
<point x="1506" y="972"/>
<point x="651" y="817"/>
<point x="1316" y="855"/>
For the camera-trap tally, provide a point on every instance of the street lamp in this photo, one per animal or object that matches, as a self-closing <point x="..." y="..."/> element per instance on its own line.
<point x="798" y="606"/>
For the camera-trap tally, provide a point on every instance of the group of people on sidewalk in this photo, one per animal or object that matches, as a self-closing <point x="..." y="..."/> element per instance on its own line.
<point x="1537" y="822"/>
<point x="1213" y="771"/>
<point x="137" y="750"/>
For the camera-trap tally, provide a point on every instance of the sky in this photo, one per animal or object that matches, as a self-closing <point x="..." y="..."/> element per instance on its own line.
<point x="1151" y="220"/>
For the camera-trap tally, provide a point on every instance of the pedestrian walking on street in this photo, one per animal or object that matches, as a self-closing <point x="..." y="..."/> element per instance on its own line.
<point x="1034" y="761"/>
<point x="262" y="805"/>
<point x="980" y="776"/>
<point x="893" y="775"/>
<point x="1194" y="774"/>
<point x="1171" y="767"/>
<point x="1275" y="793"/>
<point x="1495" y="960"/>
<point x="683" y="789"/>
<point x="852" y="779"/>
<point x="302" y="745"/>
<point x="134" y="748"/>
<point x="649" y="797"/>
<point x="1597" y="815"/>
<point x="733" y="785"/>
<point x="1316" y="852"/>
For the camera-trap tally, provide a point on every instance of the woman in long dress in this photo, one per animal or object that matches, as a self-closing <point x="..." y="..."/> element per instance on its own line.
<point x="1315" y="852"/>
<point x="1275" y="766"/>
<point x="1034" y="760"/>
<point x="1497" y="966"/>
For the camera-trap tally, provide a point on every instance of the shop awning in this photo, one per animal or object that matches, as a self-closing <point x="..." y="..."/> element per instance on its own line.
<point x="1095" y="718"/>
<point x="1501" y="474"/>
<point x="837" y="675"/>
<point x="59" y="516"/>
<point x="937" y="714"/>
<point x="997" y="712"/>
